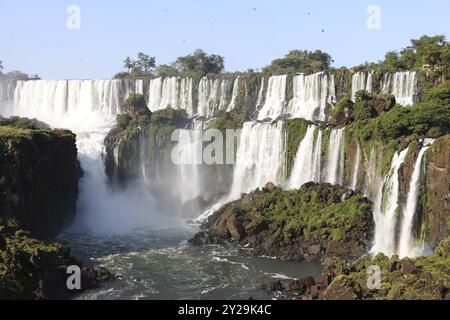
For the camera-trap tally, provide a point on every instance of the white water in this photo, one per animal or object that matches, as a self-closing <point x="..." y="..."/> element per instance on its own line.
<point x="190" y="158"/>
<point x="275" y="98"/>
<point x="260" y="157"/>
<point x="212" y="96"/>
<point x="407" y="246"/>
<point x="386" y="209"/>
<point x="403" y="85"/>
<point x="307" y="161"/>
<point x="335" y="161"/>
<point x="174" y="92"/>
<point x="234" y="95"/>
<point x="356" y="167"/>
<point x="312" y="95"/>
<point x="361" y="81"/>
<point x="88" y="108"/>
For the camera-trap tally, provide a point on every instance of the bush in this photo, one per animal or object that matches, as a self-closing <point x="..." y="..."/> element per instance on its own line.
<point x="439" y="95"/>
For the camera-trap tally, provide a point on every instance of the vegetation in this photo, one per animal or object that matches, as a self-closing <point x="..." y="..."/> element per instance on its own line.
<point x="298" y="61"/>
<point x="295" y="132"/>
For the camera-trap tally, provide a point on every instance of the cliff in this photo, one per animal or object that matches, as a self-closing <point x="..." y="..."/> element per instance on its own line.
<point x="39" y="174"/>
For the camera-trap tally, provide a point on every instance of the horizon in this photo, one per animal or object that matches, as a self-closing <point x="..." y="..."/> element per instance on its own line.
<point x="250" y="35"/>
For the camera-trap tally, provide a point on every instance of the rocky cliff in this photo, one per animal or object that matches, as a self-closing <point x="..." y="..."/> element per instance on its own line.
<point x="39" y="174"/>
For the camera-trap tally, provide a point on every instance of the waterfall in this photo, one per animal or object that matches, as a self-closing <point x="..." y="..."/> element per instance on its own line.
<point x="174" y="92"/>
<point x="356" y="167"/>
<point x="190" y="157"/>
<point x="307" y="161"/>
<point x="142" y="154"/>
<point x="403" y="85"/>
<point x="260" y="99"/>
<point x="212" y="96"/>
<point x="234" y="95"/>
<point x="88" y="108"/>
<point x="260" y="157"/>
<point x="7" y="88"/>
<point x="406" y="244"/>
<point x="335" y="160"/>
<point x="386" y="209"/>
<point x="361" y="81"/>
<point x="275" y="98"/>
<point x="312" y="95"/>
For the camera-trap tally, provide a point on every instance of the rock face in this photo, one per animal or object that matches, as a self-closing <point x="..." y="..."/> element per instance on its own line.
<point x="310" y="224"/>
<point x="39" y="174"/>
<point x="33" y="269"/>
<point x="437" y="192"/>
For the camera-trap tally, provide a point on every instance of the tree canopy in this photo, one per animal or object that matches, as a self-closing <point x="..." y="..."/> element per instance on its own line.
<point x="199" y="64"/>
<point x="300" y="61"/>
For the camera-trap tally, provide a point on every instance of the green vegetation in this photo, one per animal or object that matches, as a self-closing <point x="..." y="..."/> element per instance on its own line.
<point x="430" y="54"/>
<point x="297" y="61"/>
<point x="362" y="109"/>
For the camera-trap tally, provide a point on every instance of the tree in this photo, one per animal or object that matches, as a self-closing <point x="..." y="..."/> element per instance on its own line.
<point x="298" y="61"/>
<point x="166" y="70"/>
<point x="199" y="64"/>
<point x="129" y="64"/>
<point x="1" y="66"/>
<point x="145" y="63"/>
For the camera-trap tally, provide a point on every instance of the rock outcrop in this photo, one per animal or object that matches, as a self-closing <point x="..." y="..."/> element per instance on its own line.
<point x="39" y="174"/>
<point x="313" y="223"/>
<point x="425" y="278"/>
<point x="33" y="269"/>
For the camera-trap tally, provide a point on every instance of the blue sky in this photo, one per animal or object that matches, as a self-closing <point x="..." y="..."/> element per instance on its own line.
<point x="248" y="33"/>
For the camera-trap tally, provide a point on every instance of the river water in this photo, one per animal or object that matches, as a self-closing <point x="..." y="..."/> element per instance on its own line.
<point x="160" y="264"/>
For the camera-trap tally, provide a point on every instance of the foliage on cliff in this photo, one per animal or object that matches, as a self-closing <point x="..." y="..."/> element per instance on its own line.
<point x="424" y="278"/>
<point x="306" y="224"/>
<point x="39" y="174"/>
<point x="33" y="269"/>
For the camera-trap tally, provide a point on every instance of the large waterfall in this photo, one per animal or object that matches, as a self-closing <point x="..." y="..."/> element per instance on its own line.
<point x="308" y="159"/>
<point x="403" y="85"/>
<point x="88" y="108"/>
<point x="361" y="81"/>
<point x="313" y="94"/>
<point x="407" y="247"/>
<point x="386" y="208"/>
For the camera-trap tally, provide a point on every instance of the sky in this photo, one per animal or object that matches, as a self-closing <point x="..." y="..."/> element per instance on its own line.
<point x="35" y="39"/>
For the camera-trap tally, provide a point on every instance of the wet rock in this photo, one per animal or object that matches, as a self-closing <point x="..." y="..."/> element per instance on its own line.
<point x="272" y="287"/>
<point x="343" y="288"/>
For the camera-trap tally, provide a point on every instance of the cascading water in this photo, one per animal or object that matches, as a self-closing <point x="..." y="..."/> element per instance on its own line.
<point x="275" y="98"/>
<point x="88" y="108"/>
<point x="312" y="95"/>
<point x="356" y="167"/>
<point x="335" y="160"/>
<point x="403" y="85"/>
<point x="234" y="95"/>
<point x="260" y="99"/>
<point x="361" y="81"/>
<point x="260" y="157"/>
<point x="212" y="96"/>
<point x="174" y="92"/>
<point x="386" y="209"/>
<point x="189" y="158"/>
<point x="407" y="246"/>
<point x="307" y="161"/>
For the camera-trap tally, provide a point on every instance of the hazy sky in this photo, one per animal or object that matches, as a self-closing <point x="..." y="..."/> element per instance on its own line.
<point x="248" y="33"/>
